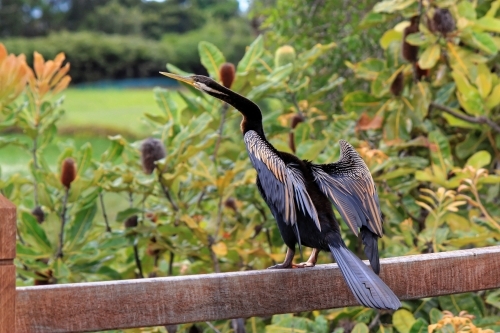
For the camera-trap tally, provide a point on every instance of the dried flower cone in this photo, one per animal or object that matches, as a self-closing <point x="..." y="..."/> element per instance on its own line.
<point x="398" y="84"/>
<point x="227" y="74"/>
<point x="443" y="21"/>
<point x="231" y="204"/>
<point x="408" y="51"/>
<point x="14" y="74"/>
<point x="49" y="76"/>
<point x="420" y="73"/>
<point x="38" y="213"/>
<point x="152" y="150"/>
<point x="131" y="222"/>
<point x="68" y="172"/>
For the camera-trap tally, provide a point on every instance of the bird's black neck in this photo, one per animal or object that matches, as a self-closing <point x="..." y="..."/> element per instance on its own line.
<point x="252" y="117"/>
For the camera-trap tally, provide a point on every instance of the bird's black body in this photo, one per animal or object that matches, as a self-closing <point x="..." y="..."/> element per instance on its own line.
<point x="300" y="195"/>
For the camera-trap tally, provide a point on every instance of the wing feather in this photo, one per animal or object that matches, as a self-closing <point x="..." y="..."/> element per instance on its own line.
<point x="282" y="184"/>
<point x="349" y="185"/>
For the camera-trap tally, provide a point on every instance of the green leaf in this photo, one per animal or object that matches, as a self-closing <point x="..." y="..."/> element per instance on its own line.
<point x="488" y="23"/>
<point x="116" y="149"/>
<point x="439" y="147"/>
<point x="403" y="320"/>
<point x="125" y="214"/>
<point x="390" y="6"/>
<point x="435" y="315"/>
<point x="24" y="252"/>
<point x="372" y="19"/>
<point x="175" y="70"/>
<point x="469" y="302"/>
<point x="467" y="9"/>
<point x="479" y="160"/>
<point x="484" y="42"/>
<point x="395" y="126"/>
<point x="309" y="150"/>
<point x="421" y="39"/>
<point x="430" y="56"/>
<point x="307" y="58"/>
<point x="211" y="58"/>
<point x="251" y="55"/>
<point x="419" y="326"/>
<point x="494" y="99"/>
<point x="36" y="233"/>
<point x="360" y="328"/>
<point x="468" y="95"/>
<point x="390" y="36"/>
<point x="166" y="100"/>
<point x="85" y="158"/>
<point x="444" y="93"/>
<point x="80" y="226"/>
<point x="494" y="299"/>
<point x="360" y="101"/>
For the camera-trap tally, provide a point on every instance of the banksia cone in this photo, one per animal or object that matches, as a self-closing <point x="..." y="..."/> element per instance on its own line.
<point x="420" y="73"/>
<point x="152" y="150"/>
<point x="443" y="21"/>
<point x="68" y="172"/>
<point x="398" y="84"/>
<point x="38" y="213"/>
<point x="226" y="74"/>
<point x="296" y="119"/>
<point x="152" y="249"/>
<point x="131" y="222"/>
<point x="231" y="204"/>
<point x="284" y="55"/>
<point x="408" y="51"/>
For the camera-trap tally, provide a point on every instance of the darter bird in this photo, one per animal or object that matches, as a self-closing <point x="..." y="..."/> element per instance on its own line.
<point x="299" y="194"/>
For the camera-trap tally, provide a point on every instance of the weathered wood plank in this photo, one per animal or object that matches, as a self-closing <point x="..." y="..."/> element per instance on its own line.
<point x="7" y="229"/>
<point x="149" y="302"/>
<point x="7" y="268"/>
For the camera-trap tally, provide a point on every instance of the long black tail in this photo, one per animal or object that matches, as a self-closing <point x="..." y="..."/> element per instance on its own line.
<point x="370" y="241"/>
<point x="366" y="286"/>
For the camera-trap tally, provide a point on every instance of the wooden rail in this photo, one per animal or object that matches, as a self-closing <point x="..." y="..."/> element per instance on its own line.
<point x="84" y="307"/>
<point x="7" y="268"/>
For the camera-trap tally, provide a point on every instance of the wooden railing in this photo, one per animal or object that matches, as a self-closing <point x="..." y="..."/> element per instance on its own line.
<point x="84" y="307"/>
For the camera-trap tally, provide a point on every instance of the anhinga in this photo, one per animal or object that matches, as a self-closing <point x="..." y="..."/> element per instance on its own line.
<point x="299" y="194"/>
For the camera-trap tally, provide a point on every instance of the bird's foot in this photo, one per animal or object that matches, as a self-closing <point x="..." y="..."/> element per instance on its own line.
<point x="287" y="266"/>
<point x="307" y="264"/>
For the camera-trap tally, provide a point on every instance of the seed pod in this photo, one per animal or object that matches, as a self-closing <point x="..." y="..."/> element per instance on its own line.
<point x="131" y="222"/>
<point x="296" y="119"/>
<point x="398" y="84"/>
<point x="284" y="55"/>
<point x="152" y="150"/>
<point x="408" y="51"/>
<point x="68" y="172"/>
<point x="443" y="21"/>
<point x="152" y="217"/>
<point x="226" y="74"/>
<point x="231" y="204"/>
<point x="38" y="213"/>
<point x="420" y="73"/>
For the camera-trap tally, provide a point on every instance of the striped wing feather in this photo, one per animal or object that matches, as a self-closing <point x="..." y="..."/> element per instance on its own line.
<point x="283" y="184"/>
<point x="349" y="185"/>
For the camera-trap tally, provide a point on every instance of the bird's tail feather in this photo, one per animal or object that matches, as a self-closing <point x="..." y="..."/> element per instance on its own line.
<point x="370" y="241"/>
<point x="366" y="286"/>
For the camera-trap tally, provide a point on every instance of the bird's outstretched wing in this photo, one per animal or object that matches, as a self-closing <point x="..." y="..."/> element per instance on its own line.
<point x="349" y="185"/>
<point x="282" y="184"/>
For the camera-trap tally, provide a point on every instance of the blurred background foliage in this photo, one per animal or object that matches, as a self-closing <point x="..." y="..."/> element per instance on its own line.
<point x="414" y="86"/>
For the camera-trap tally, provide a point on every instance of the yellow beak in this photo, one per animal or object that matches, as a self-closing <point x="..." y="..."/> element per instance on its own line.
<point x="184" y="79"/>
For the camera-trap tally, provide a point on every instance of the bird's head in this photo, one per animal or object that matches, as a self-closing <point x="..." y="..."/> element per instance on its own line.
<point x="201" y="83"/>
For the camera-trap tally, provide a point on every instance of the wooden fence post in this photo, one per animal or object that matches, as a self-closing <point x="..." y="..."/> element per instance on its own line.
<point x="7" y="268"/>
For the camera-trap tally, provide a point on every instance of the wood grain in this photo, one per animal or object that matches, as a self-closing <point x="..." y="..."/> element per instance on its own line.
<point x="7" y="229"/>
<point x="7" y="268"/>
<point x="161" y="301"/>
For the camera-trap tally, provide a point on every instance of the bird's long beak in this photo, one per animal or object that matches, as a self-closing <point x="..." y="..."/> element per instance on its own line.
<point x="184" y="79"/>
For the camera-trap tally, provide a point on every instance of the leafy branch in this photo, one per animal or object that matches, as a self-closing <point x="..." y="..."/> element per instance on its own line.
<point x="462" y="116"/>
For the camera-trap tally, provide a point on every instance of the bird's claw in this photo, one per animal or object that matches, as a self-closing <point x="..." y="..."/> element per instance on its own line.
<point x="307" y="264"/>
<point x="284" y="266"/>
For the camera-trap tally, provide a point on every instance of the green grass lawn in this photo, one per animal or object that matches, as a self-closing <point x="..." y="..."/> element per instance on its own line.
<point x="90" y="114"/>
<point x="117" y="110"/>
